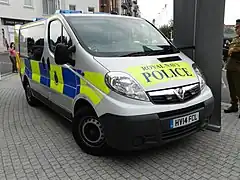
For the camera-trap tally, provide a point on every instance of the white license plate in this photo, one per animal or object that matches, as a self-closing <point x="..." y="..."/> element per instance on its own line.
<point x="185" y="120"/>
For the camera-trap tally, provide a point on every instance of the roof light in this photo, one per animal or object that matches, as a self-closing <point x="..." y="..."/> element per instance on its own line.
<point x="60" y="11"/>
<point x="38" y="19"/>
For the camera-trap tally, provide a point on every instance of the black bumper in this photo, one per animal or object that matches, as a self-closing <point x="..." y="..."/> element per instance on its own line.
<point x="145" y="131"/>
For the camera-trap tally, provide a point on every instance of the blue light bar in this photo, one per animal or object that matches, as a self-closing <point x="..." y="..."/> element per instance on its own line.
<point x="38" y="19"/>
<point x="60" y="11"/>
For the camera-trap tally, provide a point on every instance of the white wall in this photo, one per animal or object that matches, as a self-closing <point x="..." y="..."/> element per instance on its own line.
<point x="15" y="9"/>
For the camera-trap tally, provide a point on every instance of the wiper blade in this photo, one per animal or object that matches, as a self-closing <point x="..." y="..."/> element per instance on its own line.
<point x="169" y="48"/>
<point x="166" y="49"/>
<point x="142" y="53"/>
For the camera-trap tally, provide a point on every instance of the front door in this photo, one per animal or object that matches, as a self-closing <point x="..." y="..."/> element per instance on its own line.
<point x="62" y="80"/>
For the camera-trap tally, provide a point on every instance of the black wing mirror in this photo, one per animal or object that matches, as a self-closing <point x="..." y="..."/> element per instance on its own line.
<point x="62" y="54"/>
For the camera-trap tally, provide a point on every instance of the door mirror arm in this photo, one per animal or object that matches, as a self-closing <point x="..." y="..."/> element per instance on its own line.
<point x="71" y="61"/>
<point x="72" y="49"/>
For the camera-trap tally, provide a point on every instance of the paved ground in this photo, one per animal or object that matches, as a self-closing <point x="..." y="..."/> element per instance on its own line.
<point x="35" y="143"/>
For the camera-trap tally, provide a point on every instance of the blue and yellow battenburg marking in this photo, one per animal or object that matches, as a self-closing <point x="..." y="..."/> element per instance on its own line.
<point x="68" y="83"/>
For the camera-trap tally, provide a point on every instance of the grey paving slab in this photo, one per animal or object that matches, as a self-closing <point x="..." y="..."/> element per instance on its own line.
<point x="36" y="143"/>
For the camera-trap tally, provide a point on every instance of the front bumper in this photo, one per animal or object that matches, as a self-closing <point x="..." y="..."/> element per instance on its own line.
<point x="145" y="131"/>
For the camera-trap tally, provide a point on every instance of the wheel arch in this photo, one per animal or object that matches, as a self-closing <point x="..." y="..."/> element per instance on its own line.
<point x="80" y="104"/>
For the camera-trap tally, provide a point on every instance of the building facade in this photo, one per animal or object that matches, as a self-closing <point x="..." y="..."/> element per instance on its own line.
<point x="130" y="8"/>
<point x="22" y="11"/>
<point x="122" y="7"/>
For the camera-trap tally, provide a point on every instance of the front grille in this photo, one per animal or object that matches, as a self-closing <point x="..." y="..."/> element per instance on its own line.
<point x="181" y="131"/>
<point x="181" y="111"/>
<point x="169" y="96"/>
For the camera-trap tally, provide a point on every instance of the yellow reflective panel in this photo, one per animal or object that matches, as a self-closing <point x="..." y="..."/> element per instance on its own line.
<point x="94" y="96"/>
<point x="97" y="79"/>
<point x="36" y="76"/>
<point x="152" y="74"/>
<point x="22" y="66"/>
<point x="56" y="74"/>
<point x="18" y="61"/>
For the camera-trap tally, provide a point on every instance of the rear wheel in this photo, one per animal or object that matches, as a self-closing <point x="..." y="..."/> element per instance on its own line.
<point x="32" y="101"/>
<point x="88" y="132"/>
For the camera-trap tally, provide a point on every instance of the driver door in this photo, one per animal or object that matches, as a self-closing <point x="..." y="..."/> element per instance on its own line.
<point x="62" y="80"/>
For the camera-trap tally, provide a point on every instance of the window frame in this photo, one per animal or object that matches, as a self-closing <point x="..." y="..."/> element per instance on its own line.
<point x="35" y="25"/>
<point x="28" y="5"/>
<point x="91" y="8"/>
<point x="73" y="6"/>
<point x="47" y="6"/>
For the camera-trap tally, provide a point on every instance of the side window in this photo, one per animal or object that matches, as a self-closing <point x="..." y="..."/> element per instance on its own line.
<point x="58" y="34"/>
<point x="66" y="38"/>
<point x="32" y="42"/>
<point x="55" y="33"/>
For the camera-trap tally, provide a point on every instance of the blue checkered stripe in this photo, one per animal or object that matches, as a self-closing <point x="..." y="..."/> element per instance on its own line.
<point x="70" y="79"/>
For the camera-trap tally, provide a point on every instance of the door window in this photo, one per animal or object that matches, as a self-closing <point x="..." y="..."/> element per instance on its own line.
<point x="55" y="32"/>
<point x="58" y="34"/>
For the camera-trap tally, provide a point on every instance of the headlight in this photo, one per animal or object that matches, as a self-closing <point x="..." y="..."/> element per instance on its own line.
<point x="125" y="85"/>
<point x="200" y="76"/>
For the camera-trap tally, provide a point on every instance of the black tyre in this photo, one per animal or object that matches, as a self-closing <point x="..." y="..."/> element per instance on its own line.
<point x="88" y="132"/>
<point x="32" y="101"/>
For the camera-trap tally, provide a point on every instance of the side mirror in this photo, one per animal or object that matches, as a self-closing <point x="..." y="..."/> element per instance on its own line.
<point x="62" y="55"/>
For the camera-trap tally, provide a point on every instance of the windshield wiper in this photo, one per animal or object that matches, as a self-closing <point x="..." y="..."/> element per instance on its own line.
<point x="142" y="53"/>
<point x="165" y="49"/>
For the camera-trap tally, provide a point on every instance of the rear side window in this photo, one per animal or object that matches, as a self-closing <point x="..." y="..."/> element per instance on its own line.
<point x="32" y="42"/>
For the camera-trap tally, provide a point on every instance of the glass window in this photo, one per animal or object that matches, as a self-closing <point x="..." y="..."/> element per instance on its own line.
<point x="54" y="34"/>
<point x="66" y="38"/>
<point x="49" y="6"/>
<point x="91" y="9"/>
<point x="119" y="36"/>
<point x="32" y="42"/>
<point x="58" y="34"/>
<point x="72" y="7"/>
<point x="45" y="6"/>
<point x="28" y="2"/>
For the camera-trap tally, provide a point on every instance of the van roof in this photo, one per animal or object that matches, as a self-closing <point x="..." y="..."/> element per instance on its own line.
<point x="38" y="22"/>
<point x="100" y="15"/>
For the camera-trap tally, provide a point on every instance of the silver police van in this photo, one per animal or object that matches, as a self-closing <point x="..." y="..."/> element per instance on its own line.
<point x="117" y="78"/>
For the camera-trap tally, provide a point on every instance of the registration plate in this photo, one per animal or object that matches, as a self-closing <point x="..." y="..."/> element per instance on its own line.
<point x="185" y="120"/>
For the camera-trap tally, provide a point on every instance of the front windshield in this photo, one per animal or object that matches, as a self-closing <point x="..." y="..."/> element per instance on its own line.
<point x="118" y="36"/>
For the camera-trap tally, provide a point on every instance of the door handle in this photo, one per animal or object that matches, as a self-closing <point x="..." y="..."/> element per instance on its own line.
<point x="43" y="63"/>
<point x="48" y="63"/>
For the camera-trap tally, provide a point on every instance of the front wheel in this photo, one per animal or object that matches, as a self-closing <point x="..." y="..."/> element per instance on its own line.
<point x="88" y="132"/>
